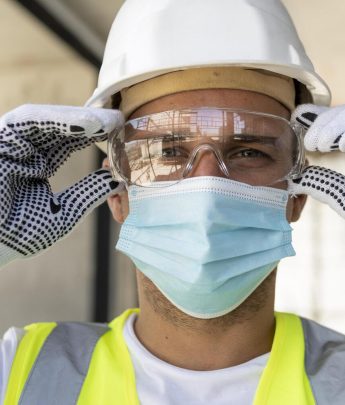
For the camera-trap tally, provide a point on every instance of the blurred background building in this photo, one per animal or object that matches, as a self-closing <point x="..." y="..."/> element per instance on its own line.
<point x="51" y="52"/>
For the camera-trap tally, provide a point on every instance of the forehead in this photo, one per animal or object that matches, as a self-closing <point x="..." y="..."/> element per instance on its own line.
<point x="222" y="98"/>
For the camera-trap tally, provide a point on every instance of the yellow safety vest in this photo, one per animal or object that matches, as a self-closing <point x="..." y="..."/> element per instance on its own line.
<point x="110" y="377"/>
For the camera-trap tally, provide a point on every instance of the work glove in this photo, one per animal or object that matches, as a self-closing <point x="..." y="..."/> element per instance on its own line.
<point x="35" y="140"/>
<point x="325" y="132"/>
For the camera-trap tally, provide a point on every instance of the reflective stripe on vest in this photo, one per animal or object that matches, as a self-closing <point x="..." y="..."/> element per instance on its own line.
<point x="63" y="357"/>
<point x="110" y="377"/>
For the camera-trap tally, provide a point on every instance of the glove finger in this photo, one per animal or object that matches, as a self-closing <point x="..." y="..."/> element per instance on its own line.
<point x="327" y="138"/>
<point x="34" y="167"/>
<point x="306" y="114"/>
<point x="37" y="218"/>
<point x="13" y="145"/>
<point x="14" y="174"/>
<point x="30" y="228"/>
<point x="326" y="132"/>
<point x="80" y="199"/>
<point x="61" y="152"/>
<point x="324" y="185"/>
<point x="44" y="126"/>
<point x="341" y="142"/>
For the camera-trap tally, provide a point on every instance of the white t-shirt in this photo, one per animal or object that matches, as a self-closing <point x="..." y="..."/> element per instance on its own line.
<point x="8" y="347"/>
<point x="160" y="383"/>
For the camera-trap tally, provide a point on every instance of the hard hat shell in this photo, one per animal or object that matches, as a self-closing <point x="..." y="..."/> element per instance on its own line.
<point x="151" y="37"/>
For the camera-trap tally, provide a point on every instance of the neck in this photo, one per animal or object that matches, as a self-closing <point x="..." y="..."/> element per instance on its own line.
<point x="199" y="344"/>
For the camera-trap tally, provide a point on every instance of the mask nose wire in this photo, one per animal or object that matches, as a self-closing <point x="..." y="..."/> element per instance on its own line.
<point x="205" y="146"/>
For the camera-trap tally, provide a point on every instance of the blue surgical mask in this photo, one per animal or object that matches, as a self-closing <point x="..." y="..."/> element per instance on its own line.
<point x="207" y="242"/>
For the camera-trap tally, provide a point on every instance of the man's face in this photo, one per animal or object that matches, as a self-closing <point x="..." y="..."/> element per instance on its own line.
<point x="207" y="164"/>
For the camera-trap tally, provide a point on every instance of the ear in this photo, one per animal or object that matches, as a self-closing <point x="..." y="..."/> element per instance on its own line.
<point x="297" y="205"/>
<point x="117" y="203"/>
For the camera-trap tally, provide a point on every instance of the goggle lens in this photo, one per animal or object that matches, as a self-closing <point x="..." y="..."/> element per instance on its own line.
<point x="254" y="148"/>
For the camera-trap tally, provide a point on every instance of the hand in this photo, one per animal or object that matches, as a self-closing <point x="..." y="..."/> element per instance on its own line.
<point x="325" y="127"/>
<point x="325" y="133"/>
<point x="35" y="140"/>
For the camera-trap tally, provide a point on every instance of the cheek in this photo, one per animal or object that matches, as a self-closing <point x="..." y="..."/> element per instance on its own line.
<point x="125" y="206"/>
<point x="289" y="209"/>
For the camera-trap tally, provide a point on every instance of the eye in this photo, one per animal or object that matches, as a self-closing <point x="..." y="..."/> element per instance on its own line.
<point x="170" y="152"/>
<point x="247" y="154"/>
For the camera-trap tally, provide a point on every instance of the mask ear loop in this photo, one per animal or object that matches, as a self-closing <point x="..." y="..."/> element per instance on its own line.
<point x="204" y="146"/>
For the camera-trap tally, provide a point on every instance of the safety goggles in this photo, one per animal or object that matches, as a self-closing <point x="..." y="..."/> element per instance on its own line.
<point x="251" y="147"/>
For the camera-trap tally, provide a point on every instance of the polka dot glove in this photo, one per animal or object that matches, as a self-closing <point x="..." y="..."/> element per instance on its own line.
<point x="325" y="132"/>
<point x="35" y="140"/>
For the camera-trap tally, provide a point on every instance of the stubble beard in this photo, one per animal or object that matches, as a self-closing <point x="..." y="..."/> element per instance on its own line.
<point x="243" y="313"/>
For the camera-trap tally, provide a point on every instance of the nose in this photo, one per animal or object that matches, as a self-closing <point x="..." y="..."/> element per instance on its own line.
<point x="206" y="163"/>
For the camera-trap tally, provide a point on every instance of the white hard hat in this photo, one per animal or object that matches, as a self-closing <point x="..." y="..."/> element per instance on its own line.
<point x="153" y="37"/>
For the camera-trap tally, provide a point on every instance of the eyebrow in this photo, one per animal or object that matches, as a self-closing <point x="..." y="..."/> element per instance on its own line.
<point x="255" y="139"/>
<point x="165" y="136"/>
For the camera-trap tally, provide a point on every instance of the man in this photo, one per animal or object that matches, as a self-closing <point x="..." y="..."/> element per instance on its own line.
<point x="213" y="172"/>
